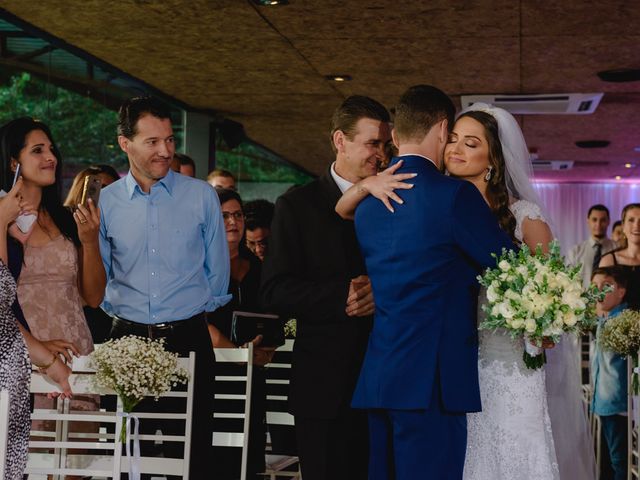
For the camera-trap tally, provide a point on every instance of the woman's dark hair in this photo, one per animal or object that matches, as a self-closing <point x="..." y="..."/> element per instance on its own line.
<point x="226" y="194"/>
<point x="13" y="137"/>
<point x="497" y="193"/>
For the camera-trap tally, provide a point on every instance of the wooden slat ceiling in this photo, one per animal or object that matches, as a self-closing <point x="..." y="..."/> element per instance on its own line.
<point x="265" y="66"/>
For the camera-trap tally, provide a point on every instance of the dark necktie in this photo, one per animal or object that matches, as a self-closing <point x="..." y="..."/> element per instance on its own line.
<point x="597" y="256"/>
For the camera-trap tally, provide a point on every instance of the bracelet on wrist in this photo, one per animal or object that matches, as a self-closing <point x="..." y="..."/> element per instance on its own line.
<point x="43" y="368"/>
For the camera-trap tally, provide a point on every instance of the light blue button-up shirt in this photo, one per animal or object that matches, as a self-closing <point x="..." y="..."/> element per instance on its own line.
<point x="165" y="252"/>
<point x="609" y="371"/>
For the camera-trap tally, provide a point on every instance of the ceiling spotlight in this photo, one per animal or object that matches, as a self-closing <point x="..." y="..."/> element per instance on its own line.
<point x="270" y="3"/>
<point x="620" y="75"/>
<point x="629" y="165"/>
<point x="592" y="143"/>
<point x="338" y="78"/>
<point x="618" y="177"/>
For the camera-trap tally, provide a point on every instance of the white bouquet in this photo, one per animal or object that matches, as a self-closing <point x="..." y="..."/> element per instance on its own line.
<point x="537" y="297"/>
<point x="135" y="367"/>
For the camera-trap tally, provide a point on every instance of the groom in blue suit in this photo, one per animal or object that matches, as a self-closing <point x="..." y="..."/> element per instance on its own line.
<point x="420" y="374"/>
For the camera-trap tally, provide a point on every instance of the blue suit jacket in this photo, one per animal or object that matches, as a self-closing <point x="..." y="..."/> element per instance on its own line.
<point x="423" y="261"/>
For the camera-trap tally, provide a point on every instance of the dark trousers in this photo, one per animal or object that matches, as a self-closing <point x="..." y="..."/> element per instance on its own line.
<point x="333" y="449"/>
<point x="417" y="444"/>
<point x="183" y="337"/>
<point x="614" y="432"/>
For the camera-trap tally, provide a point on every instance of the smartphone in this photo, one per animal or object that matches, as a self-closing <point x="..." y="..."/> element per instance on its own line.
<point x="91" y="190"/>
<point x="24" y="221"/>
<point x="17" y="174"/>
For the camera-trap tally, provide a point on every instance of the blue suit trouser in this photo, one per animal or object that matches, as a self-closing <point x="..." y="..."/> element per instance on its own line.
<point x="425" y="444"/>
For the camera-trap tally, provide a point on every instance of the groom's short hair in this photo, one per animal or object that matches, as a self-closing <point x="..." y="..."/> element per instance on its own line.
<point x="419" y="109"/>
<point x="353" y="109"/>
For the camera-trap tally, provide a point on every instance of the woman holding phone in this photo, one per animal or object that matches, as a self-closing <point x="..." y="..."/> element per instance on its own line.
<point x="61" y="264"/>
<point x="17" y="348"/>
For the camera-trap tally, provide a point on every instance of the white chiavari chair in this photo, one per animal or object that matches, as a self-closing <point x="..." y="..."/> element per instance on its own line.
<point x="231" y="389"/>
<point x="101" y="453"/>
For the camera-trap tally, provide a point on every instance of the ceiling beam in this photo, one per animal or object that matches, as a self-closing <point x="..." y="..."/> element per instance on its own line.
<point x="33" y="53"/>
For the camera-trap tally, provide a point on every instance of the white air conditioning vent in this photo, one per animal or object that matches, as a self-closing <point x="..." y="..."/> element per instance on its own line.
<point x="545" y="104"/>
<point x="552" y="165"/>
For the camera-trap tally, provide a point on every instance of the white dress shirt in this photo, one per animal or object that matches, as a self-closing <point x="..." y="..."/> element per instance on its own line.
<point x="584" y="254"/>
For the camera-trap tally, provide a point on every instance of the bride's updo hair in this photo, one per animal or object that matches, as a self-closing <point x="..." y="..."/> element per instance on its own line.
<point x="497" y="193"/>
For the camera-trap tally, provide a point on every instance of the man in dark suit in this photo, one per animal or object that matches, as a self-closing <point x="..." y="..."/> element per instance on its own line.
<point x="314" y="272"/>
<point x="420" y="374"/>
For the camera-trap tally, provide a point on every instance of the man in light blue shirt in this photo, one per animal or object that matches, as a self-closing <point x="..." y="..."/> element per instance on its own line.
<point x="163" y="244"/>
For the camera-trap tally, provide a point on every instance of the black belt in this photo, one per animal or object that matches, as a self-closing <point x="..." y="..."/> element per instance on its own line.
<point x="157" y="330"/>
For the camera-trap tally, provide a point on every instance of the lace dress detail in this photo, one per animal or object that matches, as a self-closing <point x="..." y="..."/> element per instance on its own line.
<point x="511" y="438"/>
<point x="523" y="209"/>
<point x="15" y="369"/>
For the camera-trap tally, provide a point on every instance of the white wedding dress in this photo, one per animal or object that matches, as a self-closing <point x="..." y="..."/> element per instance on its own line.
<point x="511" y="438"/>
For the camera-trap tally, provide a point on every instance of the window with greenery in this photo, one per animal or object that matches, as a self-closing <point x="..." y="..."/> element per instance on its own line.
<point x="260" y="172"/>
<point x="83" y="129"/>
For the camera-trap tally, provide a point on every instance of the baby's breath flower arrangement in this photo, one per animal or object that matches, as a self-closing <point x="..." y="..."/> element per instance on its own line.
<point x="290" y="328"/>
<point x="135" y="367"/>
<point x="536" y="296"/>
<point x="621" y="335"/>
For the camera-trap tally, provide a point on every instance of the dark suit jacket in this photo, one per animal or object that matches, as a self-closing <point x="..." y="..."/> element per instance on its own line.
<point x="313" y="254"/>
<point x="423" y="261"/>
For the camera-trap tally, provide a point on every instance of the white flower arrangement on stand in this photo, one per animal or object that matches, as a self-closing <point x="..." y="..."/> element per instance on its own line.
<point x="135" y="367"/>
<point x="537" y="297"/>
<point x="621" y="335"/>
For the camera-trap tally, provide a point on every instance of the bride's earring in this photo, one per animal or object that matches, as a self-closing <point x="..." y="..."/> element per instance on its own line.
<point x="487" y="177"/>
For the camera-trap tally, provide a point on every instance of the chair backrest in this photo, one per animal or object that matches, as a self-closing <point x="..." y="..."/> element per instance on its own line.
<point x="101" y="452"/>
<point x="4" y="429"/>
<point x="279" y="457"/>
<point x="233" y="400"/>
<point x="278" y="379"/>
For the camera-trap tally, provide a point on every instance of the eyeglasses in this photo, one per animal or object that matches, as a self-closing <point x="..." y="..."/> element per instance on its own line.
<point x="257" y="243"/>
<point x="237" y="216"/>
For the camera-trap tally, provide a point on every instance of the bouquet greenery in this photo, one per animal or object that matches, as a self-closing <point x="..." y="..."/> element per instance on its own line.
<point x="535" y="296"/>
<point x="135" y="367"/>
<point x="621" y="335"/>
<point x="290" y="328"/>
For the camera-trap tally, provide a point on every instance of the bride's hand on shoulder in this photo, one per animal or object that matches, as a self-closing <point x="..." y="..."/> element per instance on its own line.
<point x="383" y="185"/>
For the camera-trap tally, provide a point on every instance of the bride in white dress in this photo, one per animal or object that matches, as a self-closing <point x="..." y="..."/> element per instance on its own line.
<point x="513" y="436"/>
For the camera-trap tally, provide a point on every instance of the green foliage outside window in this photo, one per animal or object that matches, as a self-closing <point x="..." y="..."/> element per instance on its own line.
<point x="250" y="162"/>
<point x="84" y="130"/>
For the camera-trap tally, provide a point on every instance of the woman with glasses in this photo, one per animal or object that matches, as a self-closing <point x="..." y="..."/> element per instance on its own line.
<point x="243" y="285"/>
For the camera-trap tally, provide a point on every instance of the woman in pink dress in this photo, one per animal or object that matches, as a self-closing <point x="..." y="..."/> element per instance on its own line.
<point x="61" y="264"/>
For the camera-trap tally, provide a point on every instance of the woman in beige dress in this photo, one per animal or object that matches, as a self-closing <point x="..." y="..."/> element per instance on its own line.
<point x="61" y="259"/>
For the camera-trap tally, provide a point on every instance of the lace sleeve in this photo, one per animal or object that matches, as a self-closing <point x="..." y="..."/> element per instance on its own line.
<point x="524" y="209"/>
